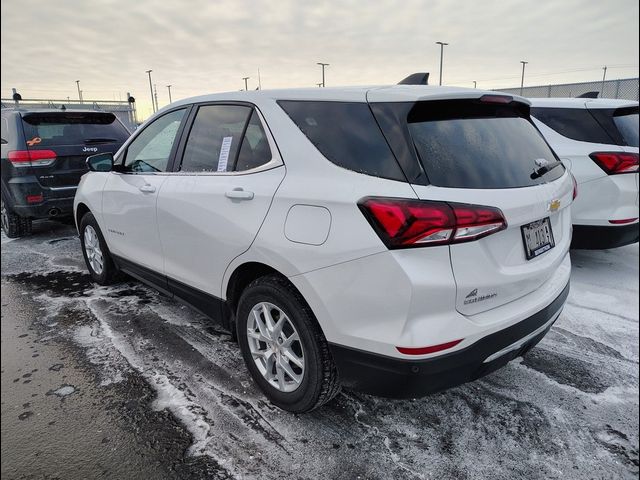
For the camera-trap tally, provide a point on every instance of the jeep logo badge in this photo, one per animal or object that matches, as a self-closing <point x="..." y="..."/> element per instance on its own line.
<point x="90" y="149"/>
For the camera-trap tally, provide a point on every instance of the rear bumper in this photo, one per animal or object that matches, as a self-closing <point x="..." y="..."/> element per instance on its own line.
<point x="600" y="237"/>
<point x="56" y="201"/>
<point x="399" y="378"/>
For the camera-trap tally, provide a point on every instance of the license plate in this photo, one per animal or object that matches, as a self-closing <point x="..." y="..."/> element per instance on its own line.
<point x="537" y="237"/>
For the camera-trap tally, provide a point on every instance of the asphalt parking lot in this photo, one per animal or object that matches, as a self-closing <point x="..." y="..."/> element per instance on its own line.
<point x="119" y="382"/>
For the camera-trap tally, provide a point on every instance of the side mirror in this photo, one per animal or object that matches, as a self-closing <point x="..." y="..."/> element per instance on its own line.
<point x="102" y="162"/>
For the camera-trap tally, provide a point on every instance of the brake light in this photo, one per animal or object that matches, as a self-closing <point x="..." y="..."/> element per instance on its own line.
<point x="575" y="186"/>
<point x="32" y="158"/>
<point x="430" y="349"/>
<point x="405" y="223"/>
<point x="496" y="99"/>
<point x="614" y="163"/>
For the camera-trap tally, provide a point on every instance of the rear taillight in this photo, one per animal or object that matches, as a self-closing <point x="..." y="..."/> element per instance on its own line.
<point x="575" y="186"/>
<point x="32" y="158"/>
<point x="614" y="163"/>
<point x="404" y="223"/>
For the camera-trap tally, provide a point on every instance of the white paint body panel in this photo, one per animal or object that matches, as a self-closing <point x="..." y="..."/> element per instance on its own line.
<point x="601" y="197"/>
<point x="363" y="295"/>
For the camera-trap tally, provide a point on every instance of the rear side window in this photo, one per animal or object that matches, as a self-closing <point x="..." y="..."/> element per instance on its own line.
<point x="463" y="144"/>
<point x="626" y="121"/>
<point x="347" y="135"/>
<point x="72" y="128"/>
<point x="215" y="138"/>
<point x="255" y="149"/>
<point x="574" y="123"/>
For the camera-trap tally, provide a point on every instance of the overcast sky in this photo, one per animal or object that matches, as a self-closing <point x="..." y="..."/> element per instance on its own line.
<point x="204" y="46"/>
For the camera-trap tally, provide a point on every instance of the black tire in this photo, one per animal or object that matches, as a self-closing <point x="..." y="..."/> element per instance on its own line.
<point x="110" y="273"/>
<point x="320" y="381"/>
<point x="13" y="225"/>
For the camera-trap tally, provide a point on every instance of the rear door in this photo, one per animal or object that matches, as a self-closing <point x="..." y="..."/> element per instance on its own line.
<point x="72" y="136"/>
<point x="211" y="208"/>
<point x="486" y="153"/>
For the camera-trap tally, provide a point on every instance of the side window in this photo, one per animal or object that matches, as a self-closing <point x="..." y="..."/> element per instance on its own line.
<point x="215" y="138"/>
<point x="150" y="151"/>
<point x="255" y="149"/>
<point x="346" y="134"/>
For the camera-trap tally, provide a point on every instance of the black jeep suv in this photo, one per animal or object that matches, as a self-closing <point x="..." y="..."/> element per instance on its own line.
<point x="43" y="158"/>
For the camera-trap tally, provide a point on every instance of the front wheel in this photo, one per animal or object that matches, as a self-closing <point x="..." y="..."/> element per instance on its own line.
<point x="95" y="252"/>
<point x="283" y="346"/>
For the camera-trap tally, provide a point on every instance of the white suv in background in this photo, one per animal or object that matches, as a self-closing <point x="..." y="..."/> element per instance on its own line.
<point x="597" y="139"/>
<point x="396" y="240"/>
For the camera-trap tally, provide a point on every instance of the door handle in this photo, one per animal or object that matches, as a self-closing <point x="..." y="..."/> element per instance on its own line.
<point x="239" y="194"/>
<point x="147" y="188"/>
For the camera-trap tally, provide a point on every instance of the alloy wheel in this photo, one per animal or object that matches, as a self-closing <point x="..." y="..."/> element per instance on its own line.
<point x="275" y="347"/>
<point x="92" y="249"/>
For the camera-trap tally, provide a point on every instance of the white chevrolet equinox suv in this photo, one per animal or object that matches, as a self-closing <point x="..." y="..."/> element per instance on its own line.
<point x="597" y="139"/>
<point x="394" y="240"/>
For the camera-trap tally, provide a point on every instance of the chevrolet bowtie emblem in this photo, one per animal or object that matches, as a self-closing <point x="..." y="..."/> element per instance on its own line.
<point x="554" y="205"/>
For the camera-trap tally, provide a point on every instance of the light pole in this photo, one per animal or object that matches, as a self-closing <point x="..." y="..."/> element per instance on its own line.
<point x="246" y="86"/>
<point x="79" y="92"/>
<point x="153" y="105"/>
<point x="604" y="75"/>
<point x="323" y="65"/>
<point x="155" y="95"/>
<point x="522" y="80"/>
<point x="442" y="44"/>
<point x="474" y="84"/>
<point x="169" y="88"/>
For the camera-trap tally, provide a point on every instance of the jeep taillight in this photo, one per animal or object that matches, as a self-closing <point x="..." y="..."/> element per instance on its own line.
<point x="614" y="163"/>
<point x="405" y="223"/>
<point x="32" y="158"/>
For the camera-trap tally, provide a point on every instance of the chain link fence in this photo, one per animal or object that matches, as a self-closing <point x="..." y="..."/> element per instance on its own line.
<point x="626" y="89"/>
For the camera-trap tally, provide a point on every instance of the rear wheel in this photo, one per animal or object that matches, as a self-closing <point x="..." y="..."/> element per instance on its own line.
<point x="13" y="225"/>
<point x="283" y="347"/>
<point x="96" y="254"/>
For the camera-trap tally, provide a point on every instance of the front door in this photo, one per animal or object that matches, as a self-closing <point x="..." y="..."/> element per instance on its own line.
<point x="130" y="194"/>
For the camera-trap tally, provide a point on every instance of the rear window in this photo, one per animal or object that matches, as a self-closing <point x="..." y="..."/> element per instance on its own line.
<point x="347" y="134"/>
<point x="626" y="120"/>
<point x="72" y="128"/>
<point x="465" y="144"/>
<point x="574" y="123"/>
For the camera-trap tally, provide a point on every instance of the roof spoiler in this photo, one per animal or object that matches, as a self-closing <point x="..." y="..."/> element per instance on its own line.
<point x="589" y="95"/>
<point x="421" y="78"/>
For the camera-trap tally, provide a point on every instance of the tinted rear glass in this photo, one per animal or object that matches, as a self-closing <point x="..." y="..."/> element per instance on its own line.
<point x="626" y="121"/>
<point x="575" y="123"/>
<point x="346" y="134"/>
<point x="50" y="129"/>
<point x="463" y="144"/>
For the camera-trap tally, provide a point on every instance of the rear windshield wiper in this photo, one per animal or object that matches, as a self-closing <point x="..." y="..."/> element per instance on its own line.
<point x="100" y="140"/>
<point x="538" y="172"/>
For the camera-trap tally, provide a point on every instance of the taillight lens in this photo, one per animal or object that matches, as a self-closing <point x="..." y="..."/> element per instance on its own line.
<point x="405" y="223"/>
<point x="614" y="163"/>
<point x="32" y="158"/>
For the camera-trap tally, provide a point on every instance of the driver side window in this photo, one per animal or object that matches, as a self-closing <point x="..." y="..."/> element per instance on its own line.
<point x="151" y="150"/>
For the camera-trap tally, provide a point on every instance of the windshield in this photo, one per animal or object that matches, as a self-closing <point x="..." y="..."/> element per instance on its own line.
<point x="73" y="128"/>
